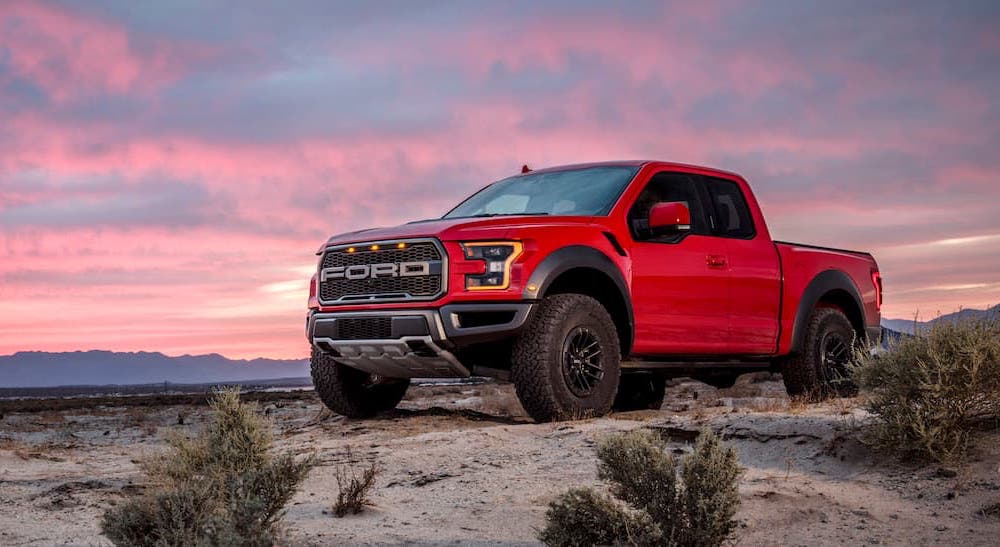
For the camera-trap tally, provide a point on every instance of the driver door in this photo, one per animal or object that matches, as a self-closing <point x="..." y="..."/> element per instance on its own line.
<point x="680" y="281"/>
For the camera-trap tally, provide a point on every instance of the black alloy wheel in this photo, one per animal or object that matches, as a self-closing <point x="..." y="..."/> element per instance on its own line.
<point x="582" y="367"/>
<point x="835" y="358"/>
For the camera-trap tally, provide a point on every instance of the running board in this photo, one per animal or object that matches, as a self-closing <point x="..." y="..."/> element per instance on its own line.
<point x="749" y="366"/>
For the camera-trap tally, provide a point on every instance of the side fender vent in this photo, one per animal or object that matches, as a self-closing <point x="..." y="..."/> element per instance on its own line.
<point x="614" y="243"/>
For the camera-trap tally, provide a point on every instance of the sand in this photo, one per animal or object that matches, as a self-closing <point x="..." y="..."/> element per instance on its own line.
<point x="464" y="465"/>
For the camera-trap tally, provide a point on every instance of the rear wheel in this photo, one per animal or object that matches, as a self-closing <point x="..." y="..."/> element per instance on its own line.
<point x="640" y="391"/>
<point x="352" y="392"/>
<point x="822" y="368"/>
<point x="565" y="363"/>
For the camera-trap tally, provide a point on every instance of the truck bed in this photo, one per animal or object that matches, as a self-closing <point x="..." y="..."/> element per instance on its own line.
<point x="822" y="248"/>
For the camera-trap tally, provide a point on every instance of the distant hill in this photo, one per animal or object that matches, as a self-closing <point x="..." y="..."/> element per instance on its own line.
<point x="44" y="369"/>
<point x="906" y="326"/>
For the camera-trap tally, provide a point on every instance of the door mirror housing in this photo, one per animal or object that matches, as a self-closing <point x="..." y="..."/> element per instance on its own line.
<point x="670" y="216"/>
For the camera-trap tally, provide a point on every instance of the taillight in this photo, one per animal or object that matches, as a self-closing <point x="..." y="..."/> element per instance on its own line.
<point x="877" y="281"/>
<point x="313" y="301"/>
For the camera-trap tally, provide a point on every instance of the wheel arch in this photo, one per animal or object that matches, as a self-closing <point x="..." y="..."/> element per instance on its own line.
<point x="830" y="288"/>
<point x="585" y="270"/>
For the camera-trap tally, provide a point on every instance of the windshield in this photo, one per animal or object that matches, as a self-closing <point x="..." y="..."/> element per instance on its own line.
<point x="590" y="191"/>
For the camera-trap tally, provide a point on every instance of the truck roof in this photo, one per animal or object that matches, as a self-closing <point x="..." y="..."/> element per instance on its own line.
<point x="634" y="163"/>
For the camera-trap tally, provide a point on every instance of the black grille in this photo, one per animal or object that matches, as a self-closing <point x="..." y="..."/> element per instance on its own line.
<point x="365" y="328"/>
<point x="381" y="288"/>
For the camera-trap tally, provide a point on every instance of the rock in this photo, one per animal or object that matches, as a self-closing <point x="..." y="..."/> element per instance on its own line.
<point x="424" y="480"/>
<point x="671" y="433"/>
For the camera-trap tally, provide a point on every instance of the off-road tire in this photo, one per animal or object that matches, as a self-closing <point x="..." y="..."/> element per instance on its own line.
<point x="350" y="392"/>
<point x="640" y="391"/>
<point x="539" y="358"/>
<point x="807" y="373"/>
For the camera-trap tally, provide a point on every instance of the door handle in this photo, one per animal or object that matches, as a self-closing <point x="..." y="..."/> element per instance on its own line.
<point x="716" y="261"/>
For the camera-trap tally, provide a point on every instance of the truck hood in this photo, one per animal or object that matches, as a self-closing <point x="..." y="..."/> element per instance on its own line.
<point x="457" y="229"/>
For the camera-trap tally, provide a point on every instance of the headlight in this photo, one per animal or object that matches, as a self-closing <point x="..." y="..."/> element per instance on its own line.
<point x="498" y="256"/>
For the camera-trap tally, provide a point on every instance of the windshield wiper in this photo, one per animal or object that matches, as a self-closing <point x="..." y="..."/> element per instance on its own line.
<point x="486" y="215"/>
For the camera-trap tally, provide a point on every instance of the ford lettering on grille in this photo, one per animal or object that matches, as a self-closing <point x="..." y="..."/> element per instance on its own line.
<point x="384" y="271"/>
<point x="387" y="269"/>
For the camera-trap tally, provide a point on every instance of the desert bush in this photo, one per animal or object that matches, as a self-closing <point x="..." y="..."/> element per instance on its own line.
<point x="222" y="487"/>
<point x="929" y="393"/>
<point x="585" y="517"/>
<point x="654" y="503"/>
<point x="353" y="489"/>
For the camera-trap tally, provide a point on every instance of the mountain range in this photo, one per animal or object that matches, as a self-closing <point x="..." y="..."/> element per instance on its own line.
<point x="45" y="369"/>
<point x="909" y="326"/>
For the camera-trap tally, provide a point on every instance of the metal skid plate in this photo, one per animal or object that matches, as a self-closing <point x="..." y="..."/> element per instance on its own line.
<point x="395" y="358"/>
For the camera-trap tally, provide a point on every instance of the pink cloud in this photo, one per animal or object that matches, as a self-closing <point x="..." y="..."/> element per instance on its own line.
<point x="229" y="224"/>
<point x="69" y="53"/>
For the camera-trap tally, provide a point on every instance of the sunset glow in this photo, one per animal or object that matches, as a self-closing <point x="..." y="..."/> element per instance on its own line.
<point x="168" y="171"/>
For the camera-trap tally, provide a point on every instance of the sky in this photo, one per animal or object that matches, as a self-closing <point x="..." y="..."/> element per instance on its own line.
<point x="168" y="169"/>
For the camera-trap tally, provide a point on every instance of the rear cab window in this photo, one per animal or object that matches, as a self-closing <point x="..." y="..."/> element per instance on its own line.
<point x="730" y="216"/>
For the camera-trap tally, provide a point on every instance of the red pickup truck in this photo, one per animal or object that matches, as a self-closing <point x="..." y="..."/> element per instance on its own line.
<point x="587" y="286"/>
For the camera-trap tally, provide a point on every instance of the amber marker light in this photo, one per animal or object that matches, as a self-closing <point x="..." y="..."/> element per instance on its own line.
<point x="374" y="247"/>
<point x="401" y="245"/>
<point x="351" y="249"/>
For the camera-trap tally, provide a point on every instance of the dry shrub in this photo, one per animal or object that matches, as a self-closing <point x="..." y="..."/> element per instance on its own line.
<point x="222" y="487"/>
<point x="354" y="490"/>
<point x="930" y="393"/>
<point x="585" y="517"/>
<point x="654" y="503"/>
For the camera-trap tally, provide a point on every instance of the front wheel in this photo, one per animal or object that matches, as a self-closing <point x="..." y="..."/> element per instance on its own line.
<point x="352" y="392"/>
<point x="822" y="368"/>
<point x="566" y="361"/>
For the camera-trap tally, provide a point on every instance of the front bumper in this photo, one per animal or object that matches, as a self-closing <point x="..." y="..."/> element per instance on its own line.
<point x="414" y="343"/>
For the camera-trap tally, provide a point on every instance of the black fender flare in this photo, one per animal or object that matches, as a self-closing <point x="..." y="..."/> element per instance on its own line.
<point x="574" y="257"/>
<point x="824" y="282"/>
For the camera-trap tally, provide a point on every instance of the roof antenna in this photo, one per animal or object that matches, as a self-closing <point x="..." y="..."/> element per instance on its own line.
<point x="525" y="169"/>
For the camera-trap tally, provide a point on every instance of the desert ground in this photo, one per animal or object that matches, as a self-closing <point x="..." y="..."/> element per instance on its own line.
<point x="464" y="465"/>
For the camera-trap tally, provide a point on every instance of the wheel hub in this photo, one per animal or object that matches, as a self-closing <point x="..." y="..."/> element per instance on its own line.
<point x="583" y="367"/>
<point x="835" y="356"/>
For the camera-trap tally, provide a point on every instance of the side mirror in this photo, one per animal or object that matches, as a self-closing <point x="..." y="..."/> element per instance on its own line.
<point x="671" y="216"/>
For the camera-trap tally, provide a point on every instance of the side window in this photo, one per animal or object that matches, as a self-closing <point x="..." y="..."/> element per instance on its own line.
<point x="732" y="216"/>
<point x="668" y="187"/>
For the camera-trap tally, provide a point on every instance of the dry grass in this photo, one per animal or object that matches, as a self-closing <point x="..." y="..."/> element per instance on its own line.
<point x="846" y="405"/>
<point x="799" y="404"/>
<point x="354" y="489"/>
<point x="771" y="404"/>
